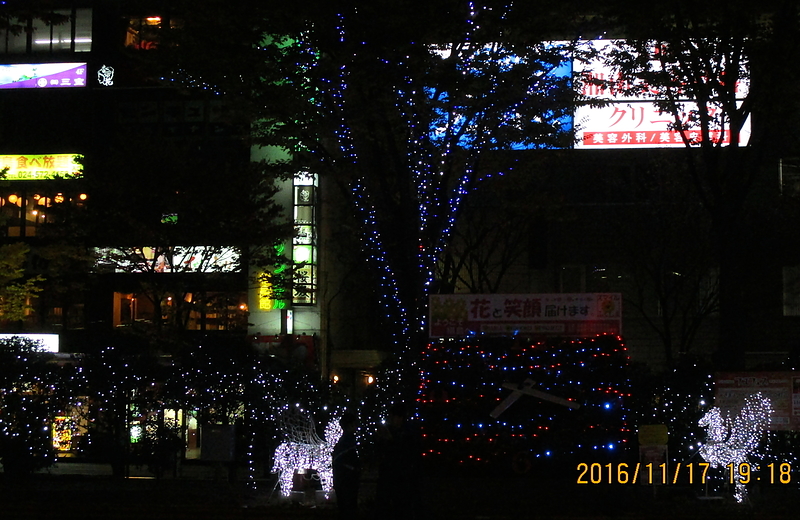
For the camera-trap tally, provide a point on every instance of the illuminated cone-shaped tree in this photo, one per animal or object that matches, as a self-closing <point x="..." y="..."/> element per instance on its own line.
<point x="462" y="386"/>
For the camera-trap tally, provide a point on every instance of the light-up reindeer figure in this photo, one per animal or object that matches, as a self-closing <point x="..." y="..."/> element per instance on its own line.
<point x="732" y="439"/>
<point x="303" y="450"/>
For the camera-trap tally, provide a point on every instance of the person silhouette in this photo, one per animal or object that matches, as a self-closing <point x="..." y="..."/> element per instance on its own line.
<point x="399" y="452"/>
<point x="347" y="468"/>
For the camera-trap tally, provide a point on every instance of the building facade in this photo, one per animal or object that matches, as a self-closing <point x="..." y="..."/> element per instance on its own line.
<point x="122" y="173"/>
<point x="78" y="97"/>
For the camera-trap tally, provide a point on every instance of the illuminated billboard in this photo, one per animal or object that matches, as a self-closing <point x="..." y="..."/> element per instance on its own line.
<point x="46" y="342"/>
<point x="640" y="124"/>
<point x="178" y="259"/>
<point x="42" y="75"/>
<point x="621" y="115"/>
<point x="528" y="315"/>
<point x="782" y="388"/>
<point x="634" y="120"/>
<point x="44" y="166"/>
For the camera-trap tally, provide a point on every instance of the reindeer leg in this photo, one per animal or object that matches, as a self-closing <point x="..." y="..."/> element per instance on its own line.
<point x="741" y="493"/>
<point x="286" y="481"/>
<point x="326" y="482"/>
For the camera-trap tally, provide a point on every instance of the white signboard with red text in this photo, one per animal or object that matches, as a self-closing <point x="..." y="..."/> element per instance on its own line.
<point x="633" y="121"/>
<point x="530" y="315"/>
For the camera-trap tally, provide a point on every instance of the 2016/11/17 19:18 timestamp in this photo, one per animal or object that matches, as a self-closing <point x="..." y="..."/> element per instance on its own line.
<point x="622" y="473"/>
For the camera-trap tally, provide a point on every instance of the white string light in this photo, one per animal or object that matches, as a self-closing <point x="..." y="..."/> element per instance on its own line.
<point x="304" y="450"/>
<point x="731" y="440"/>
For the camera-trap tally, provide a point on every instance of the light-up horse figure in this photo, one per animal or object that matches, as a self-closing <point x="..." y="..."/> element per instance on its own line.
<point x="303" y="450"/>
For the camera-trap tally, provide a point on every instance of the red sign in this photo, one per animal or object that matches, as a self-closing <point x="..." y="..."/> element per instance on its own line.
<point x="650" y="138"/>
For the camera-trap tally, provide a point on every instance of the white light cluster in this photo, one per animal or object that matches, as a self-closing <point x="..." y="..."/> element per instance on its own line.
<point x="730" y="440"/>
<point x="301" y="453"/>
<point x="105" y="76"/>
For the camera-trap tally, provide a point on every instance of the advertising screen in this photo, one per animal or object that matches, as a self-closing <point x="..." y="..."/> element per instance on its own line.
<point x="624" y="119"/>
<point x="45" y="166"/>
<point x="42" y="75"/>
<point x="178" y="259"/>
<point x="619" y="114"/>
<point x="47" y="342"/>
<point x="553" y="66"/>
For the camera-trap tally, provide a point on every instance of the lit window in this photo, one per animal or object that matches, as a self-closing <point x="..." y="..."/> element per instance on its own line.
<point x="145" y="33"/>
<point x="178" y="259"/>
<point x="192" y="311"/>
<point x="791" y="290"/>
<point x="23" y="212"/>
<point x="304" y="249"/>
<point x="62" y="30"/>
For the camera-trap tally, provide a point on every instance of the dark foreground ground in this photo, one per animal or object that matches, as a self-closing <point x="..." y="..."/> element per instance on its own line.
<point x="62" y="496"/>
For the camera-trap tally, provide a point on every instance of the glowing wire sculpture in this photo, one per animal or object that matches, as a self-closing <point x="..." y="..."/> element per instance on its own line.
<point x="105" y="76"/>
<point x="732" y="439"/>
<point x="303" y="450"/>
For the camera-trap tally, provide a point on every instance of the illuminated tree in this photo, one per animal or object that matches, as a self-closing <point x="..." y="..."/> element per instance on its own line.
<point x="227" y="384"/>
<point x="16" y="290"/>
<point x="120" y="387"/>
<point x="402" y="108"/>
<point x="462" y="390"/>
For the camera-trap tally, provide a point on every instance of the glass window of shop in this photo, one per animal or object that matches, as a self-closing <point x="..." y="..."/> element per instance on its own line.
<point x="23" y="212"/>
<point x="61" y="30"/>
<point x="145" y="33"/>
<point x="191" y="311"/>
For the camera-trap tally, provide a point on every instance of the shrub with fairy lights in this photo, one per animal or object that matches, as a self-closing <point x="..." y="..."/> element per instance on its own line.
<point x="677" y="398"/>
<point x="229" y="384"/>
<point x="30" y="391"/>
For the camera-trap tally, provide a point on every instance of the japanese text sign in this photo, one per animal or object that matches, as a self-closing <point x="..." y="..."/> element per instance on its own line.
<point x="32" y="167"/>
<point x="530" y="315"/>
<point x="635" y="120"/>
<point x="42" y="75"/>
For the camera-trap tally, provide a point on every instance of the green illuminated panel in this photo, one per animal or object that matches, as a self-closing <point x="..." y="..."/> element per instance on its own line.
<point x="33" y="167"/>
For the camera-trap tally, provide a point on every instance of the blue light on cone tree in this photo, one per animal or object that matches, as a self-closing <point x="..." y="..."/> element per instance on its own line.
<point x="462" y="383"/>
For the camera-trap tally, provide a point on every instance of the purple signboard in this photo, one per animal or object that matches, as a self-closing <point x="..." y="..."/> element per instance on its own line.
<point x="43" y="75"/>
